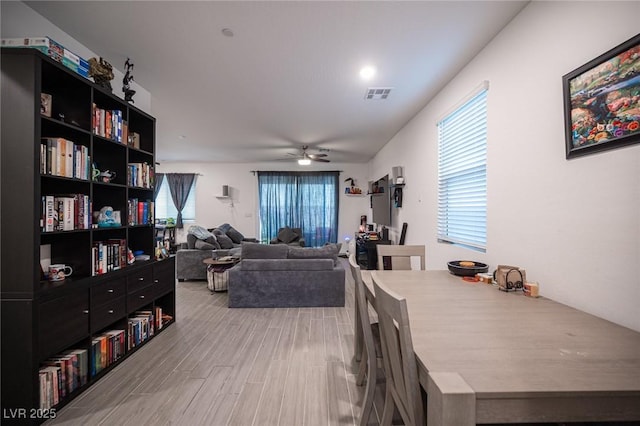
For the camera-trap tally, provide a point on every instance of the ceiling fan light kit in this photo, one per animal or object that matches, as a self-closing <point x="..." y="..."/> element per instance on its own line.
<point x="305" y="159"/>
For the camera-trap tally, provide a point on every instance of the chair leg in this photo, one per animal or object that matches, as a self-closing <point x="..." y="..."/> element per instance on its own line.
<point x="389" y="406"/>
<point x="362" y="368"/>
<point x="367" y="405"/>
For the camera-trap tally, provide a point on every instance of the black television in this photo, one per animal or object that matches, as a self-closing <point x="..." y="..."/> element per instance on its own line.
<point x="381" y="202"/>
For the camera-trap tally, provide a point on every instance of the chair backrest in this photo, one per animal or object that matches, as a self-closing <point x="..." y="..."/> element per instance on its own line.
<point x="362" y="308"/>
<point x="400" y="256"/>
<point x="399" y="360"/>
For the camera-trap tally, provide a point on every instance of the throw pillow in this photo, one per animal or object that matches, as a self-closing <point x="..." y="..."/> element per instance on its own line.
<point x="224" y="227"/>
<point x="235" y="236"/>
<point x="224" y="241"/>
<point x="213" y="241"/>
<point x="286" y="235"/>
<point x="202" y="245"/>
<point x="200" y="232"/>
<point x="191" y="241"/>
<point x="264" y="251"/>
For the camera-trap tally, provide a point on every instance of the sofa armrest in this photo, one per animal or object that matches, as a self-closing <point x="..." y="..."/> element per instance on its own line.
<point x="250" y="240"/>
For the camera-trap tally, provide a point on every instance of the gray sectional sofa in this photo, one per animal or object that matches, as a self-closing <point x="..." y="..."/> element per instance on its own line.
<point x="206" y="244"/>
<point x="279" y="276"/>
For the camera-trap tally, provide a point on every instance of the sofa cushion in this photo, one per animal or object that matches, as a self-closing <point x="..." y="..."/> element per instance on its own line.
<point x="263" y="251"/>
<point x="325" y="252"/>
<point x="224" y="241"/>
<point x="235" y="235"/>
<point x="304" y="265"/>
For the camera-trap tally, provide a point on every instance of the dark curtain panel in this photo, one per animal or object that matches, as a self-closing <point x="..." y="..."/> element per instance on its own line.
<point x="307" y="200"/>
<point x="156" y="189"/>
<point x="179" y="186"/>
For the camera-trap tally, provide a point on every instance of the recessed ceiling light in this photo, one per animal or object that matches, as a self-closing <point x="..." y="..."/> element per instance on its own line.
<point x="227" y="32"/>
<point x="367" y="73"/>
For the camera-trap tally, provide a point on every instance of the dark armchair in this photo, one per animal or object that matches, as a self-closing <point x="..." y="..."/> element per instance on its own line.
<point x="289" y="236"/>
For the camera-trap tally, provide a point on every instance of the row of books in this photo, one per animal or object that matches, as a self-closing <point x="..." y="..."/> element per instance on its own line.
<point x="140" y="175"/>
<point x="139" y="212"/>
<point x="54" y="50"/>
<point x="106" y="349"/>
<point x="109" y="124"/>
<point x="62" y="157"/>
<point x="62" y="374"/>
<point x="107" y="256"/>
<point x="65" y="212"/>
<point x="141" y="327"/>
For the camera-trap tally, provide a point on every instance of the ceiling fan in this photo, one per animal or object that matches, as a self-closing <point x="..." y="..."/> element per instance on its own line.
<point x="304" y="158"/>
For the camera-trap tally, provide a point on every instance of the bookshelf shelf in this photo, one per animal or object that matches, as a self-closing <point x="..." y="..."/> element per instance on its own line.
<point x="86" y="324"/>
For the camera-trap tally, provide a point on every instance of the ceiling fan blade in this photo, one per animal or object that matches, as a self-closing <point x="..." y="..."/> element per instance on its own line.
<point x="312" y="156"/>
<point x="321" y="160"/>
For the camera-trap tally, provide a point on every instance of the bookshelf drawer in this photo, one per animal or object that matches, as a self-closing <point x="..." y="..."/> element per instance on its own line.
<point x="108" y="291"/>
<point x="162" y="287"/>
<point x="63" y="322"/>
<point x="108" y="313"/>
<point x="140" y="298"/>
<point x="139" y="279"/>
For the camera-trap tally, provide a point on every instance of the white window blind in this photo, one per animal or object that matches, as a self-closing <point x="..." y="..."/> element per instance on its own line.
<point x="166" y="209"/>
<point x="462" y="174"/>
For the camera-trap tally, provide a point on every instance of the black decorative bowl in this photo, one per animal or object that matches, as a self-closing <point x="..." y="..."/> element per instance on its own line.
<point x="466" y="271"/>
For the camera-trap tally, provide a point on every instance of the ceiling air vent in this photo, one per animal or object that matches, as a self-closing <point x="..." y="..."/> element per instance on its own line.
<point x="378" y="93"/>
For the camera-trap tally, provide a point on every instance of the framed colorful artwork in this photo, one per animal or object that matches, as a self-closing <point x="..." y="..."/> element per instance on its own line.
<point x="602" y="101"/>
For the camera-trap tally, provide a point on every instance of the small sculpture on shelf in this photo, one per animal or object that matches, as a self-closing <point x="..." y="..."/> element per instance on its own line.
<point x="128" y="77"/>
<point x="102" y="72"/>
<point x="353" y="189"/>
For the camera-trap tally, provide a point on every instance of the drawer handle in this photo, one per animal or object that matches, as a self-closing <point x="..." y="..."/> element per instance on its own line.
<point x="110" y="311"/>
<point x="141" y="279"/>
<point x="86" y="311"/>
<point x="110" y="290"/>
<point x="141" y="297"/>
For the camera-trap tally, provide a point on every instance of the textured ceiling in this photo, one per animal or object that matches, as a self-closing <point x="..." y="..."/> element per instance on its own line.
<point x="289" y="75"/>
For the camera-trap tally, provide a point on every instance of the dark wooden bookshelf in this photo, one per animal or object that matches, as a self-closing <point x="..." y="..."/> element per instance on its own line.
<point x="41" y="319"/>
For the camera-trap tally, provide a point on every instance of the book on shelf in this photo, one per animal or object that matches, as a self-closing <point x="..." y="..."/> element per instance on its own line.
<point x="65" y="212"/>
<point x="62" y="157"/>
<point x="107" y="123"/>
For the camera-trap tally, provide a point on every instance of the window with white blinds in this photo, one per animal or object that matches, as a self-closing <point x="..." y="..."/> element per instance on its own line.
<point x="462" y="174"/>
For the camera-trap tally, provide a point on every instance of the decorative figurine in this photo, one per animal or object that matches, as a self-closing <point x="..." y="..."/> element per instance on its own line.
<point x="128" y="77"/>
<point x="102" y="72"/>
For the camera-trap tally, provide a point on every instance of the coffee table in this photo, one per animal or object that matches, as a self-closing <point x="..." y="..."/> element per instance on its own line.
<point x="218" y="272"/>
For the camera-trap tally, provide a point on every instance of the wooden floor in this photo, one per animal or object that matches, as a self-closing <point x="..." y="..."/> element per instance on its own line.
<point x="221" y="366"/>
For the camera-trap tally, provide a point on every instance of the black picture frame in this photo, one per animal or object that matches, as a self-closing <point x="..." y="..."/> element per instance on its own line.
<point x="602" y="101"/>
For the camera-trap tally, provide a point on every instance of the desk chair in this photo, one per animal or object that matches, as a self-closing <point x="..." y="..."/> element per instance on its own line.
<point x="400" y="366"/>
<point x="400" y="256"/>
<point x="371" y="354"/>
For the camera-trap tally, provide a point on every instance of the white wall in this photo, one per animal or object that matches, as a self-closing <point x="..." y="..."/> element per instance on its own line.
<point x="242" y="214"/>
<point x="19" y="20"/>
<point x="574" y="225"/>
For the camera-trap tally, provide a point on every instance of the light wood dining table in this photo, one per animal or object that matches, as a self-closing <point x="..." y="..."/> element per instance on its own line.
<point x="487" y="356"/>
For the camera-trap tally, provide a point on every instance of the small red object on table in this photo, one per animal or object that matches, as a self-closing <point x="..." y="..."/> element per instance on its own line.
<point x="218" y="272"/>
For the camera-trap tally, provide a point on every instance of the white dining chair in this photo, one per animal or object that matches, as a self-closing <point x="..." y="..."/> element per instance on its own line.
<point x="400" y="256"/>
